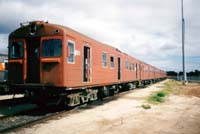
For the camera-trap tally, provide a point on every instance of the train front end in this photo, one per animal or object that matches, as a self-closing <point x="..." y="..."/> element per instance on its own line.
<point x="35" y="57"/>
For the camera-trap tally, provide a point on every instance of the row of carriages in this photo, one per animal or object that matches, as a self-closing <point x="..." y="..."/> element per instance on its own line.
<point x="49" y="58"/>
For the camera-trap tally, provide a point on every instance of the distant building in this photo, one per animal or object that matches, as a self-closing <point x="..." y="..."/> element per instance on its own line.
<point x="3" y="57"/>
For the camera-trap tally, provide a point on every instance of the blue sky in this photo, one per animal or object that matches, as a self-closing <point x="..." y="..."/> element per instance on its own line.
<point x="146" y="29"/>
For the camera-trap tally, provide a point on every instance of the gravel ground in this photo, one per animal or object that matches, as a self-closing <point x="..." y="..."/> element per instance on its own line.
<point x="180" y="114"/>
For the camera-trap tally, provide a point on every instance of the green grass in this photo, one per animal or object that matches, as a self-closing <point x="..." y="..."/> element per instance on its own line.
<point x="160" y="96"/>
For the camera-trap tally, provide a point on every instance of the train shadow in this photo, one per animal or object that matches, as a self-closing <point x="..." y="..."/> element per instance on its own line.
<point x="34" y="110"/>
<point x="51" y="109"/>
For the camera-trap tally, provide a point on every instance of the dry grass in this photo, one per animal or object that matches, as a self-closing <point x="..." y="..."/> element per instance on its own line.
<point x="176" y="88"/>
<point x="191" y="89"/>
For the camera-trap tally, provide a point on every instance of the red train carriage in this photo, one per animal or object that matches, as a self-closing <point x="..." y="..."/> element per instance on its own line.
<point x="52" y="60"/>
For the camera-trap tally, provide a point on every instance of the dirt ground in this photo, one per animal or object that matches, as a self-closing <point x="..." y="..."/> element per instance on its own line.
<point x="179" y="114"/>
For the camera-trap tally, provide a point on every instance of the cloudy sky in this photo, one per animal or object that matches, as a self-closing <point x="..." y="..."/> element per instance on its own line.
<point x="146" y="29"/>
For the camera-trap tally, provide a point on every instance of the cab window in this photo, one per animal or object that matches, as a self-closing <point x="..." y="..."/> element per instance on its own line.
<point x="16" y="50"/>
<point x="51" y="48"/>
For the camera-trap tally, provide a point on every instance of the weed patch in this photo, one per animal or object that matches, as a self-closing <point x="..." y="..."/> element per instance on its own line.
<point x="169" y="87"/>
<point x="157" y="98"/>
<point x="161" y="94"/>
<point x="146" y="106"/>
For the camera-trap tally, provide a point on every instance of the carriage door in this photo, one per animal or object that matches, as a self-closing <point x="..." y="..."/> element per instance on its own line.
<point x="119" y="68"/>
<point x="86" y="64"/>
<point x="33" y="60"/>
<point x="136" y="71"/>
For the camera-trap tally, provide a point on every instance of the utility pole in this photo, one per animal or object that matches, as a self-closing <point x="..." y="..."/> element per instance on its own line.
<point x="183" y="43"/>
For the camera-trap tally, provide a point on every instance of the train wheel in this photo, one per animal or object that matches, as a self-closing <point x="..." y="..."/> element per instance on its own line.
<point x="130" y="86"/>
<point x="100" y="94"/>
<point x="116" y="90"/>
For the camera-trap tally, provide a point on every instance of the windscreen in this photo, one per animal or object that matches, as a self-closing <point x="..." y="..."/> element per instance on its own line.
<point x="51" y="48"/>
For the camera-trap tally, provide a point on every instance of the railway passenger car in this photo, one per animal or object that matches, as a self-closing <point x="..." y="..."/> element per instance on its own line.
<point x="50" y="60"/>
<point x="4" y="89"/>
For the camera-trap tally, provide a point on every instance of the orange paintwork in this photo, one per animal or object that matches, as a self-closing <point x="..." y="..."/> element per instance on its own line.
<point x="48" y="60"/>
<point x="55" y="74"/>
<point x="70" y="75"/>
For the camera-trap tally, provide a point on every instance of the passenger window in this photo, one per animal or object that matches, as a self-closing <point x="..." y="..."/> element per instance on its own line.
<point x="71" y="52"/>
<point x="104" y="59"/>
<point x="111" y="61"/>
<point x="126" y="64"/>
<point x="131" y="66"/>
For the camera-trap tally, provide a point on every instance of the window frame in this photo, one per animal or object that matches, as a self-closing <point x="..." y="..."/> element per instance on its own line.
<point x="127" y="64"/>
<point x="102" y="60"/>
<point x="112" y="62"/>
<point x="133" y="66"/>
<point x="68" y="55"/>
<point x="130" y="66"/>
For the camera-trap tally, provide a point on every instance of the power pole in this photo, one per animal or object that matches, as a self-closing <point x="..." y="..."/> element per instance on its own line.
<point x="183" y="44"/>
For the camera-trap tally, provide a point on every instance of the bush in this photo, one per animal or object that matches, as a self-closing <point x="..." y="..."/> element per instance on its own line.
<point x="161" y="94"/>
<point x="146" y="106"/>
<point x="157" y="98"/>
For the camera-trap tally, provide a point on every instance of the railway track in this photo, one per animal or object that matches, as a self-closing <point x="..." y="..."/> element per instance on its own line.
<point x="36" y="116"/>
<point x="10" y="107"/>
<point x="31" y="117"/>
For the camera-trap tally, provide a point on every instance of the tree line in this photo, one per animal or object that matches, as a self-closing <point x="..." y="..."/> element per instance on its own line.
<point x="191" y="73"/>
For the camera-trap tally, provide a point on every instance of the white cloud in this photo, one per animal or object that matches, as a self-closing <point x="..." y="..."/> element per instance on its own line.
<point x="3" y="43"/>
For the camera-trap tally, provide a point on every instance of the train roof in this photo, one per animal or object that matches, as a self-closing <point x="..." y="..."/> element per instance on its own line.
<point x="55" y="29"/>
<point x="24" y="31"/>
